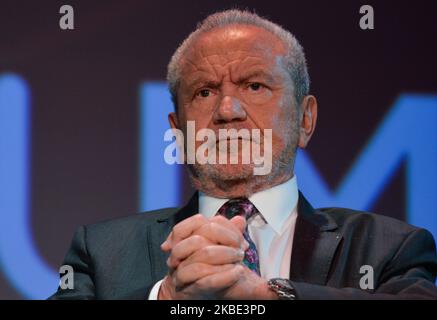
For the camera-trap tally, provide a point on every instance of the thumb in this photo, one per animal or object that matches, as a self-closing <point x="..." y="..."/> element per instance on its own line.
<point x="239" y="222"/>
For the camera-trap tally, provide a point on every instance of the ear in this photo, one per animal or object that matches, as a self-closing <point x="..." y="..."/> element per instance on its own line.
<point x="173" y="120"/>
<point x="308" y="120"/>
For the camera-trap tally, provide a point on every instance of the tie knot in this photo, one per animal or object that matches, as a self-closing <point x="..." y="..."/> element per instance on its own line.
<point x="238" y="206"/>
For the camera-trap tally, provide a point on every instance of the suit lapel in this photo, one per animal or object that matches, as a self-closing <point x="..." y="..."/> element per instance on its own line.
<point x="158" y="232"/>
<point x="314" y="245"/>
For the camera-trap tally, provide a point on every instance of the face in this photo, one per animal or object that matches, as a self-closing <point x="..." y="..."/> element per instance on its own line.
<point x="235" y="78"/>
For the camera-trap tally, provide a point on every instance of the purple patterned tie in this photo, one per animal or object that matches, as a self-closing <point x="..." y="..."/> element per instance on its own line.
<point x="245" y="208"/>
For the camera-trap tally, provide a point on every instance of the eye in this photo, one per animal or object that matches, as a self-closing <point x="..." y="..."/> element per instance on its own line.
<point x="204" y="93"/>
<point x="255" y="86"/>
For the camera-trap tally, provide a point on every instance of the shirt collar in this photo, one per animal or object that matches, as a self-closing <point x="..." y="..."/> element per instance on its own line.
<point x="275" y="204"/>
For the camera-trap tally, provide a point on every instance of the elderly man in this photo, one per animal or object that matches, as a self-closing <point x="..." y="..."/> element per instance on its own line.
<point x="242" y="235"/>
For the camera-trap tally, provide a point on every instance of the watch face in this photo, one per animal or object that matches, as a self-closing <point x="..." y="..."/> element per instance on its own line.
<point x="282" y="282"/>
<point x="283" y="288"/>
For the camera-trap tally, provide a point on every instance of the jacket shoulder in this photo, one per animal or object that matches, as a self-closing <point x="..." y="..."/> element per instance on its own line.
<point x="130" y="223"/>
<point x="368" y="222"/>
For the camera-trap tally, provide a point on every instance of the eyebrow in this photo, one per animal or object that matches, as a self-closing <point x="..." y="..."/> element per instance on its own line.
<point x="201" y="81"/>
<point x="257" y="73"/>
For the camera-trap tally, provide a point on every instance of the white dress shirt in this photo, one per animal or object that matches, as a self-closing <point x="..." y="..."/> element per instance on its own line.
<point x="272" y="230"/>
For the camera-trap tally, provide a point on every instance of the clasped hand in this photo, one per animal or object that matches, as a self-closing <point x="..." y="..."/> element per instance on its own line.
<point x="205" y="261"/>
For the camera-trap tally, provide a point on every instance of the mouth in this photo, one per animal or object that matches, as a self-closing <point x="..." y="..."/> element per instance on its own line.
<point x="233" y="139"/>
<point x="239" y="141"/>
<point x="251" y="139"/>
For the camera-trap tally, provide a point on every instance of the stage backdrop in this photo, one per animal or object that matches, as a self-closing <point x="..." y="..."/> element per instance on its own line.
<point x="83" y="114"/>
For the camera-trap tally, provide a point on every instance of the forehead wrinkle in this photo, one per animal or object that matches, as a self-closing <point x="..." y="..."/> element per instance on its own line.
<point x="198" y="69"/>
<point x="192" y="64"/>
<point x="206" y="66"/>
<point x="233" y="65"/>
<point x="225" y="59"/>
<point x="216" y="64"/>
<point x="252" y="61"/>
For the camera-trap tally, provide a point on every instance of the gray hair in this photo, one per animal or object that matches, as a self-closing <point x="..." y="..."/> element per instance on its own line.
<point x="294" y="59"/>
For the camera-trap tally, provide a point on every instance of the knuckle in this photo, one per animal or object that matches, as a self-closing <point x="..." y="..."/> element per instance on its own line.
<point x="177" y="229"/>
<point x="198" y="218"/>
<point x="176" y="253"/>
<point x="196" y="239"/>
<point x="214" y="227"/>
<point x="182" y="265"/>
<point x="208" y="252"/>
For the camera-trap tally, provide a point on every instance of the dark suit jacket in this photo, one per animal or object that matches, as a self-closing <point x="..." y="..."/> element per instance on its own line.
<point x="121" y="258"/>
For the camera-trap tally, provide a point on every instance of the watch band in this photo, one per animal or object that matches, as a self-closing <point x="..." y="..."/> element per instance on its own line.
<point x="283" y="288"/>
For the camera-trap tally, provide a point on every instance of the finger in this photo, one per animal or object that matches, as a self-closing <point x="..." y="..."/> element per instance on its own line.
<point x="225" y="222"/>
<point x="185" y="248"/>
<point x="214" y="255"/>
<point x="183" y="230"/>
<point x="239" y="222"/>
<point x="220" y="234"/>
<point x="194" y="272"/>
<point x="217" y="281"/>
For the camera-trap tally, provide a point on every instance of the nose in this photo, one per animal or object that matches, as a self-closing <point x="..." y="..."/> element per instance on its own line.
<point x="229" y="110"/>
